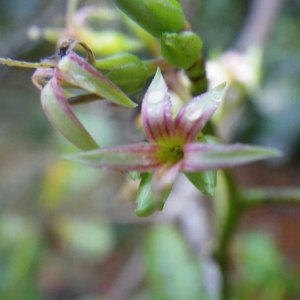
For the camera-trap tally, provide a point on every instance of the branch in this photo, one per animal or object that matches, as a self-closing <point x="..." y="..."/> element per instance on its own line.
<point x="277" y="196"/>
<point x="259" y="23"/>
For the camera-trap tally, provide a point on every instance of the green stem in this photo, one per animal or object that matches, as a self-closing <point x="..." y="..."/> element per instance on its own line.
<point x="153" y="64"/>
<point x="228" y="227"/>
<point x="258" y="196"/>
<point x="71" y="9"/>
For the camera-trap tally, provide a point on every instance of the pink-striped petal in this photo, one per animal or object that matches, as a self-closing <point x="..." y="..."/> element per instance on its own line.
<point x="138" y="157"/>
<point x="194" y="115"/>
<point x="60" y="114"/>
<point x="75" y="70"/>
<point x="201" y="157"/>
<point x="156" y="112"/>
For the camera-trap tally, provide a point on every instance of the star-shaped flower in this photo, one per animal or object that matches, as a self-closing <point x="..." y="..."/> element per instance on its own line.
<point x="173" y="146"/>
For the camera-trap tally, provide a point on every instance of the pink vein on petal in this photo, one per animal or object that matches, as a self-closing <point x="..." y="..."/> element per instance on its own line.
<point x="156" y="115"/>
<point x="61" y="99"/>
<point x="188" y="125"/>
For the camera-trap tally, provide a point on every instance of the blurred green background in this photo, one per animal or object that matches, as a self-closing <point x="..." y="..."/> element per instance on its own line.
<point x="69" y="232"/>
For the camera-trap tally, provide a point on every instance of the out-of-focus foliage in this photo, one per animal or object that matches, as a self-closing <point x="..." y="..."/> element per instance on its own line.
<point x="171" y="269"/>
<point x="58" y="237"/>
<point x="263" y="273"/>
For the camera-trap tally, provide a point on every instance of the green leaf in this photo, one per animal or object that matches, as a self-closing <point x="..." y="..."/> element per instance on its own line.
<point x="205" y="181"/>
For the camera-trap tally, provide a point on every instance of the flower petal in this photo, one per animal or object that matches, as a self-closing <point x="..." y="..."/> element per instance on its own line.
<point x="156" y="112"/>
<point x="138" y="157"/>
<point x="75" y="70"/>
<point x="194" y="115"/>
<point x="63" y="118"/>
<point x="200" y="156"/>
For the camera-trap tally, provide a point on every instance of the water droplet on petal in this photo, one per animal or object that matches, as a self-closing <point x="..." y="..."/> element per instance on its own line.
<point x="156" y="97"/>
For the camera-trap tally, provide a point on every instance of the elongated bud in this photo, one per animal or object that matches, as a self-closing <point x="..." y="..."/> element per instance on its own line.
<point x="181" y="49"/>
<point x="63" y="118"/>
<point x="155" y="16"/>
<point x="126" y="70"/>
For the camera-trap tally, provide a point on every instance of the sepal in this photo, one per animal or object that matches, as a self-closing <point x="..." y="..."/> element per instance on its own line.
<point x="205" y="181"/>
<point x="148" y="202"/>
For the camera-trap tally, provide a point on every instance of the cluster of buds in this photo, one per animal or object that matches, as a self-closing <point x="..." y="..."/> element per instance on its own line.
<point x="174" y="144"/>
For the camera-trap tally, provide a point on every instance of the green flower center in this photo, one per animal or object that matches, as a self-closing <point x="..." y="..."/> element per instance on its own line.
<point x="171" y="153"/>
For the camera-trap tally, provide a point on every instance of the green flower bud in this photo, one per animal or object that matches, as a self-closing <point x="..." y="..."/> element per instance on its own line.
<point x="181" y="49"/>
<point x="126" y="70"/>
<point x="155" y="16"/>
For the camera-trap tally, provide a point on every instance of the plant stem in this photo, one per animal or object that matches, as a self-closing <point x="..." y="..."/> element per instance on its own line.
<point x="258" y="196"/>
<point x="228" y="227"/>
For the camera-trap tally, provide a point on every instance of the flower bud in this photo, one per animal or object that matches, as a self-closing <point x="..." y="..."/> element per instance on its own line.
<point x="76" y="71"/>
<point x="126" y="70"/>
<point x="155" y="16"/>
<point x="181" y="49"/>
<point x="62" y="117"/>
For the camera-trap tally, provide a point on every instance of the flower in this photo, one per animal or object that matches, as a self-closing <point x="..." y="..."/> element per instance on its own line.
<point x="174" y="145"/>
